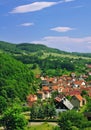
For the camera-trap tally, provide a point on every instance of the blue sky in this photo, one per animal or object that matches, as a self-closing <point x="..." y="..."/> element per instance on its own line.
<point x="62" y="24"/>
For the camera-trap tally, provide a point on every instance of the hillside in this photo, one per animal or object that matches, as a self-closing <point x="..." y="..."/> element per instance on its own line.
<point x="30" y="48"/>
<point x="16" y="80"/>
<point x="26" y="47"/>
<point x="44" y="60"/>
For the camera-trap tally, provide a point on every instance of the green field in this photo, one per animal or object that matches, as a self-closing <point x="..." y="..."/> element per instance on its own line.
<point x="44" y="126"/>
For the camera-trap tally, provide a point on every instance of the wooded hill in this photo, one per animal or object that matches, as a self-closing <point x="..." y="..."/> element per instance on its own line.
<point x="45" y="60"/>
<point x="26" y="48"/>
<point x="16" y="80"/>
<point x="18" y="61"/>
<point x="31" y="48"/>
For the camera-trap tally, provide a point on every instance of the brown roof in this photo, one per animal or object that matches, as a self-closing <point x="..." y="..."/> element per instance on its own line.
<point x="55" y="87"/>
<point x="58" y="99"/>
<point x="74" y="92"/>
<point x="39" y="92"/>
<point x="45" y="88"/>
<point x="65" y="90"/>
<point x="31" y="98"/>
<point x="78" y="82"/>
<point x="79" y="97"/>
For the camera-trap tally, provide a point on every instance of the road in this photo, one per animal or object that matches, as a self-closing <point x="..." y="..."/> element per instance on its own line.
<point x="39" y="123"/>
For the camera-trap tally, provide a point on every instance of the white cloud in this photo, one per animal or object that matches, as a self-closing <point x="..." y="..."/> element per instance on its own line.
<point x="27" y="24"/>
<point x="33" y="7"/>
<point x="68" y="0"/>
<point x="67" y="43"/>
<point x="62" y="29"/>
<point x="36" y="6"/>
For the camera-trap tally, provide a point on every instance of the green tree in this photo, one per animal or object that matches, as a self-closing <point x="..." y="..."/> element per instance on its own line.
<point x="84" y="93"/>
<point x="50" y="110"/>
<point x="41" y="112"/>
<point x="13" y="119"/>
<point x="16" y="79"/>
<point x="3" y="104"/>
<point x="34" y="111"/>
<point x="72" y="118"/>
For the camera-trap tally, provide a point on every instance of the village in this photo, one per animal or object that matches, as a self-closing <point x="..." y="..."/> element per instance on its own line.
<point x="68" y="91"/>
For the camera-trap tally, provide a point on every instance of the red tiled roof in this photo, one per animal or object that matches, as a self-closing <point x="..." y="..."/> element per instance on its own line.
<point x="78" y="82"/>
<point x="55" y="87"/>
<point x="57" y="99"/>
<point x="65" y="90"/>
<point x="31" y="98"/>
<point x="74" y="92"/>
<point x="45" y="88"/>
<point x="79" y="97"/>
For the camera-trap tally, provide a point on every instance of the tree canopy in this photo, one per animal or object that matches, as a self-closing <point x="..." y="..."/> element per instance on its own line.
<point x="68" y="120"/>
<point x="16" y="80"/>
<point x="13" y="119"/>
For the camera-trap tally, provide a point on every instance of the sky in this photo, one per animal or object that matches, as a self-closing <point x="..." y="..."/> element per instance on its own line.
<point x="61" y="24"/>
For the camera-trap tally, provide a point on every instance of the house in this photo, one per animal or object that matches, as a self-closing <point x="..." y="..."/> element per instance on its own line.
<point x="55" y="88"/>
<point x="44" y="81"/>
<point x="46" y="91"/>
<point x="61" y="102"/>
<point x="88" y="66"/>
<point x="31" y="99"/>
<point x="78" y="101"/>
<point x="78" y="83"/>
<point x="41" y="95"/>
<point x="74" y="92"/>
<point x="73" y="75"/>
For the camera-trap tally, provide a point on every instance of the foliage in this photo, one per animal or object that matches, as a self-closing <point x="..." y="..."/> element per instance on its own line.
<point x="16" y="80"/>
<point x="42" y="111"/>
<point x="12" y="119"/>
<point x="52" y="62"/>
<point x="84" y="93"/>
<point x="72" y="118"/>
<point x="3" y="104"/>
<point x="88" y="105"/>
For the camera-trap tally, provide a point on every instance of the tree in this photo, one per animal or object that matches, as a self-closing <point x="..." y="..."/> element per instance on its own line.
<point x="50" y="110"/>
<point x="34" y="66"/>
<point x="42" y="110"/>
<point x="84" y="93"/>
<point x="34" y="111"/>
<point x="72" y="118"/>
<point x="3" y="104"/>
<point x="15" y="79"/>
<point x="13" y="119"/>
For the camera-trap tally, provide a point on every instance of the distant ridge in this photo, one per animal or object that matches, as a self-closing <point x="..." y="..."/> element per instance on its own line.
<point x="31" y="48"/>
<point x="26" y="47"/>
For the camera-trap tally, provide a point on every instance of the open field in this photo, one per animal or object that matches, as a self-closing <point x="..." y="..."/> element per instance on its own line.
<point x="64" y="55"/>
<point x="41" y="126"/>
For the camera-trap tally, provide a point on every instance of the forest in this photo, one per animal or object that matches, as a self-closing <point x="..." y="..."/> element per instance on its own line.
<point x="19" y="65"/>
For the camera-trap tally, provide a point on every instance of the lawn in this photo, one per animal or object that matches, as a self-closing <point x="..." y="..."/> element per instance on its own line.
<point x="44" y="126"/>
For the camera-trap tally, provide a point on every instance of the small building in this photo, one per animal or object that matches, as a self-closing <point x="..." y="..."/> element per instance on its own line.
<point x="31" y="99"/>
<point x="61" y="102"/>
<point x="41" y="95"/>
<point x="78" y="101"/>
<point x="44" y="93"/>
